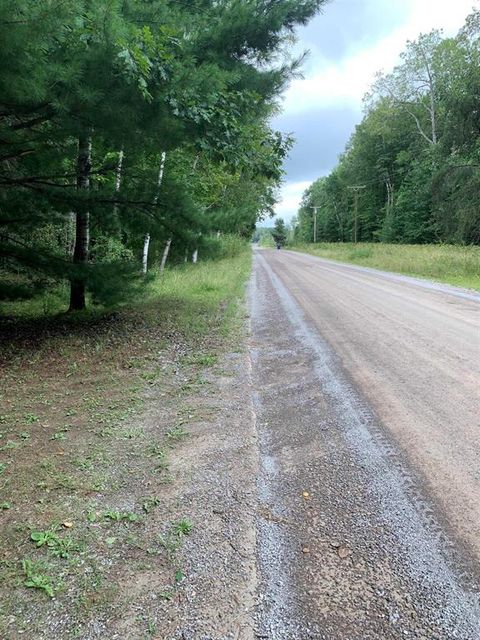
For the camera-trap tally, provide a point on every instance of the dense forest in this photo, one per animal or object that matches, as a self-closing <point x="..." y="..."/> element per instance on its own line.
<point x="411" y="171"/>
<point x="134" y="132"/>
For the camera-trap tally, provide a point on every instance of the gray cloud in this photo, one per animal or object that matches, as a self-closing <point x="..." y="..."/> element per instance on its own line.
<point x="321" y="135"/>
<point x="346" y="26"/>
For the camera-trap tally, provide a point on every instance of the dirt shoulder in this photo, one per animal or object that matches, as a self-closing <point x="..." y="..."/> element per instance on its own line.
<point x="128" y="466"/>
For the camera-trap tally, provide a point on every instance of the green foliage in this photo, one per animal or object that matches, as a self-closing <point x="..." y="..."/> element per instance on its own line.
<point x="93" y="99"/>
<point x="279" y="233"/>
<point x="415" y="155"/>
<point x="221" y="247"/>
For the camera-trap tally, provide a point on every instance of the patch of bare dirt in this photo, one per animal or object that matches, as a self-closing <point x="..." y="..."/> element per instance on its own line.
<point x="129" y="453"/>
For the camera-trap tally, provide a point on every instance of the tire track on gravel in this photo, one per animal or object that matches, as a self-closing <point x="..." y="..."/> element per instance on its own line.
<point x="401" y="578"/>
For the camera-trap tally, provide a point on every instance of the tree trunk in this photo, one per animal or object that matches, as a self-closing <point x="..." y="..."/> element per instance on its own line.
<point x="146" y="242"/>
<point x="195" y="256"/>
<point x="340" y="222"/>
<point x="118" y="172"/>
<point x="165" y="255"/>
<point x="163" y="158"/>
<point x="70" y="244"/>
<point x="118" y="179"/>
<point x="146" y="246"/>
<point x="389" y="185"/>
<point x="82" y="223"/>
<point x="433" y="117"/>
<point x="433" y="106"/>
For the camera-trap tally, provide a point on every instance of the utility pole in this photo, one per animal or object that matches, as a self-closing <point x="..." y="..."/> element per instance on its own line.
<point x="356" y="191"/>
<point x="314" y="223"/>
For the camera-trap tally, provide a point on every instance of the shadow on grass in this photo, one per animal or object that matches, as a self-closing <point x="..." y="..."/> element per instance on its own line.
<point x="159" y="318"/>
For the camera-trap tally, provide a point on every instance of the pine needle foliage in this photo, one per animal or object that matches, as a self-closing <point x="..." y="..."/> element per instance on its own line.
<point x="126" y="125"/>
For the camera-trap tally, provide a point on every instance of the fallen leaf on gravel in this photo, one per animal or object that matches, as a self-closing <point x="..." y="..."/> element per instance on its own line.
<point x="343" y="551"/>
<point x="67" y="525"/>
<point x="305" y="550"/>
<point x="334" y="544"/>
<point x="305" y="494"/>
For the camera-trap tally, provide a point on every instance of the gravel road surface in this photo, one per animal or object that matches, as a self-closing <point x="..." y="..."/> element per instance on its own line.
<point x="368" y="414"/>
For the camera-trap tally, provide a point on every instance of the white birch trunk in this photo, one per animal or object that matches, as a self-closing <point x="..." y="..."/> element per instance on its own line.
<point x="146" y="240"/>
<point x="195" y="256"/>
<point x="118" y="174"/>
<point x="146" y="246"/>
<point x="118" y="179"/>
<point x="165" y="255"/>
<point x="163" y="158"/>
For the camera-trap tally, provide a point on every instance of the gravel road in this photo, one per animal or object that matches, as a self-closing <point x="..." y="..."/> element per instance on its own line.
<point x="367" y="408"/>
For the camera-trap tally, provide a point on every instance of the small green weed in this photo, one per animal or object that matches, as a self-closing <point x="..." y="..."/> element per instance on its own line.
<point x="30" y="418"/>
<point x="60" y="547"/>
<point x="172" y="540"/>
<point x="182" y="527"/>
<point x="118" y="516"/>
<point x="151" y="627"/>
<point x="10" y="444"/>
<point x="149" y="504"/>
<point x="179" y="576"/>
<point x="156" y="451"/>
<point x="177" y="433"/>
<point x="169" y="542"/>
<point x="150" y="376"/>
<point x="36" y="578"/>
<point x="130" y="434"/>
<point x="58" y="436"/>
<point x="204" y="360"/>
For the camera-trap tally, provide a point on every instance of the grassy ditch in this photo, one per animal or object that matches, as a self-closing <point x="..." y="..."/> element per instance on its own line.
<point x="453" y="264"/>
<point x="93" y="411"/>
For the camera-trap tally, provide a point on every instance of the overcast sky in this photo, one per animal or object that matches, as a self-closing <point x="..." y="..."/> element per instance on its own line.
<point x="348" y="43"/>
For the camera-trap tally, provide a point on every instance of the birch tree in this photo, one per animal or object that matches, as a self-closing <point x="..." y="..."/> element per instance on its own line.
<point x="80" y="80"/>
<point x="412" y="85"/>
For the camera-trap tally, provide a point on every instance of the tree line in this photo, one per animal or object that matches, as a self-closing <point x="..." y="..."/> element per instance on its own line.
<point x="130" y="130"/>
<point x="411" y="170"/>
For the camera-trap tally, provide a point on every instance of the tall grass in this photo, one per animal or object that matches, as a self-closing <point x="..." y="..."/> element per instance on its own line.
<point x="453" y="264"/>
<point x="196" y="295"/>
<point x="221" y="263"/>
